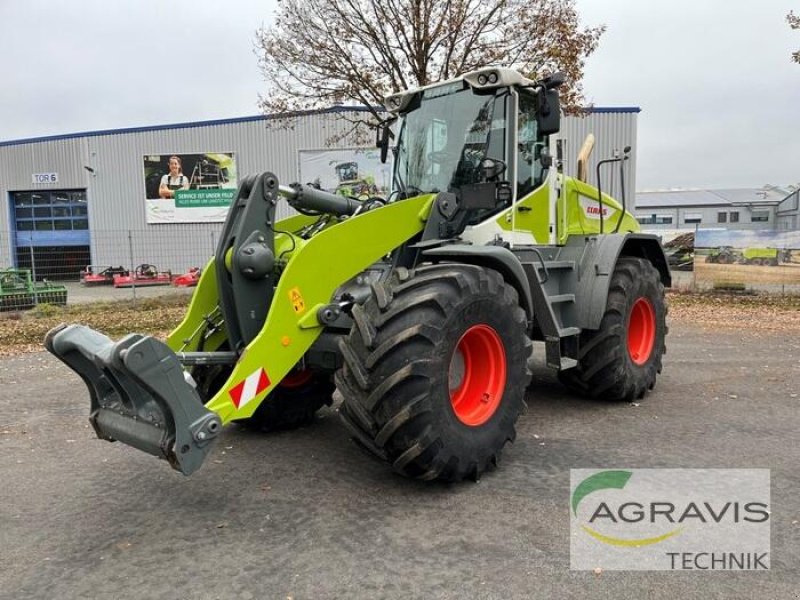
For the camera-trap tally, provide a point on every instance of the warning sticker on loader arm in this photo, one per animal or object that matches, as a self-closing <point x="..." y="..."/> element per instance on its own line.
<point x="296" y="298"/>
<point x="249" y="388"/>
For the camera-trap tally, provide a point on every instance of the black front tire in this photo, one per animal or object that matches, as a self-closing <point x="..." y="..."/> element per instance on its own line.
<point x="292" y="407"/>
<point x="287" y="407"/>
<point x="608" y="368"/>
<point x="397" y="380"/>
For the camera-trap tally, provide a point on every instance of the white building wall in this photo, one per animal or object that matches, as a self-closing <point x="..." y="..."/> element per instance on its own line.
<point x="709" y="218"/>
<point x="787" y="214"/>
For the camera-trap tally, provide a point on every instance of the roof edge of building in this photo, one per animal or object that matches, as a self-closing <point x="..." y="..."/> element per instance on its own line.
<point x="612" y="109"/>
<point x="183" y="125"/>
<point x="236" y="120"/>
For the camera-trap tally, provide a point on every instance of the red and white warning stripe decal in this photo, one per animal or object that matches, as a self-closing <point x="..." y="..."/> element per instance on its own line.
<point x="249" y="388"/>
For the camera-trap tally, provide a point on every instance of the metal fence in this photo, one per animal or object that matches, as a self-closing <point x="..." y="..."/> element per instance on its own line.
<point x="48" y="267"/>
<point x="56" y="258"/>
<point x="125" y="263"/>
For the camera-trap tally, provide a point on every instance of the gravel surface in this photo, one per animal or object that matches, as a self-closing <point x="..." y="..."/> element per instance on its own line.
<point x="306" y="514"/>
<point x="81" y="294"/>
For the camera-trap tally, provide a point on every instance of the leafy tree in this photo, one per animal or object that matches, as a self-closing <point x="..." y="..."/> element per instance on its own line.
<point x="324" y="52"/>
<point x="794" y="23"/>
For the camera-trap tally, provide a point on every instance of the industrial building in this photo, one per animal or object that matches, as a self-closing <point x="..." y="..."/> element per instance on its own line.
<point x="787" y="213"/>
<point x="100" y="197"/>
<point x="672" y="212"/>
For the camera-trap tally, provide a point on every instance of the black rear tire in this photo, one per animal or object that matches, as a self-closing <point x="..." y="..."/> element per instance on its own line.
<point x="403" y="396"/>
<point x="611" y="364"/>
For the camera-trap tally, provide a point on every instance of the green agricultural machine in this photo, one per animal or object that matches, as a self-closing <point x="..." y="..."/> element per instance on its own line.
<point x="18" y="291"/>
<point x="416" y="313"/>
<point x="350" y="184"/>
<point x="724" y="255"/>
<point x="765" y="257"/>
<point x="769" y="257"/>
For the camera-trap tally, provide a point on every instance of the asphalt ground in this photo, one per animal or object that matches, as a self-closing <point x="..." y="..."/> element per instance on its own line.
<point x="306" y="514"/>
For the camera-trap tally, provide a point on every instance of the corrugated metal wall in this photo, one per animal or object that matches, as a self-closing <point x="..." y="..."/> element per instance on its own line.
<point x="18" y="163"/>
<point x="612" y="131"/>
<point x="257" y="148"/>
<point x="116" y="189"/>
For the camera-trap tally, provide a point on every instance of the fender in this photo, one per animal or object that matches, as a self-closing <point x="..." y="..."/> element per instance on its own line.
<point x="492" y="257"/>
<point x="598" y="258"/>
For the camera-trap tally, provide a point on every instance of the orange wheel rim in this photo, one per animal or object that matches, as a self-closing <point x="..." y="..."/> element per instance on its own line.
<point x="477" y="375"/>
<point x="641" y="331"/>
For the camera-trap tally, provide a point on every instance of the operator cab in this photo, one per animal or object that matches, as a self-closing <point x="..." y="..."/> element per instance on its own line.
<point x="490" y="125"/>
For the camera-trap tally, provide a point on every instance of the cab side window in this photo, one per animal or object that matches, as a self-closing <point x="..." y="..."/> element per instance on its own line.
<point x="529" y="147"/>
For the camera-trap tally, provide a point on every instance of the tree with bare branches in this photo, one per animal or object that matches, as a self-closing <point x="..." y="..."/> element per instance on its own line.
<point x="324" y="52"/>
<point x="794" y="23"/>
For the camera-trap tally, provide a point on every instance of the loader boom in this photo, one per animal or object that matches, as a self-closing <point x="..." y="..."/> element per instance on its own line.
<point x="301" y="305"/>
<point x="154" y="407"/>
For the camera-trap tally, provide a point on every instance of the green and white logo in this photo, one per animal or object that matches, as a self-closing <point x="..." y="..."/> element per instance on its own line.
<point x="670" y="519"/>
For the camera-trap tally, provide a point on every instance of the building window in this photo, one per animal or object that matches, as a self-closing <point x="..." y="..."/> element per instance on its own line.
<point x="651" y="220"/>
<point x="759" y="216"/>
<point x="655" y="220"/>
<point x="691" y="218"/>
<point x="734" y="216"/>
<point x="722" y="217"/>
<point x="50" y="211"/>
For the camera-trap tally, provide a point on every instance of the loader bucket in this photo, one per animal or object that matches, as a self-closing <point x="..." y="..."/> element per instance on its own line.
<point x="139" y="394"/>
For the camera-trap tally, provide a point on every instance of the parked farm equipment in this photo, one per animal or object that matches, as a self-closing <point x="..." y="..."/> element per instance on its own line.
<point x="18" y="291"/>
<point x="101" y="274"/>
<point x="143" y="275"/>
<point x="189" y="279"/>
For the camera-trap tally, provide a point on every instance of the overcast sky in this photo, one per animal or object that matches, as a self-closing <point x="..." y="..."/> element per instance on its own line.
<point x="720" y="98"/>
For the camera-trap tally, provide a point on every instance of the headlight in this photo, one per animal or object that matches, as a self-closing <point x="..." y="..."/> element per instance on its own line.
<point x="492" y="77"/>
<point x="482" y="79"/>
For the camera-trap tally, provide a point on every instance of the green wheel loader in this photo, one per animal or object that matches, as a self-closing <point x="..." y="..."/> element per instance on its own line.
<point x="416" y="313"/>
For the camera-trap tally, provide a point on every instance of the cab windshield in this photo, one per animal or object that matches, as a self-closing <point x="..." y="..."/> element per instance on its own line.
<point x="445" y="134"/>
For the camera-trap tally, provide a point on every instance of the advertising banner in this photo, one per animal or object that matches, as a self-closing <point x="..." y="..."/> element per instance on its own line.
<point x="350" y="171"/>
<point x="768" y="260"/>
<point x="189" y="188"/>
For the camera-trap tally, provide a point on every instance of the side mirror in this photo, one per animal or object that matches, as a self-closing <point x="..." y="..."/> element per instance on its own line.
<point x="382" y="135"/>
<point x="548" y="113"/>
<point x="554" y="80"/>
